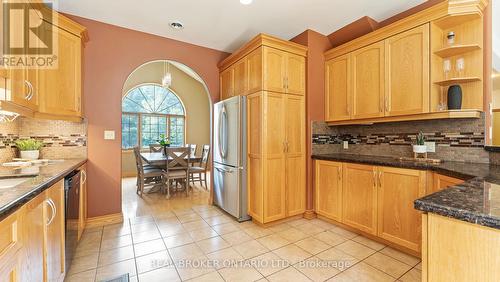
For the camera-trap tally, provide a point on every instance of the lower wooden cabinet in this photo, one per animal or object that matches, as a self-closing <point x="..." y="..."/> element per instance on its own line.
<point x="10" y="246"/>
<point x="441" y="182"/>
<point x="359" y="197"/>
<point x="83" y="201"/>
<point x="54" y="232"/>
<point x="328" y="183"/>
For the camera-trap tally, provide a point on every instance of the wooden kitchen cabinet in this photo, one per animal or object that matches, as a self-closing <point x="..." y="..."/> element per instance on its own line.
<point x="274" y="70"/>
<point x="328" y="188"/>
<point x="83" y="201"/>
<point x="407" y="72"/>
<point x="368" y="94"/>
<point x="227" y="83"/>
<point x="240" y="77"/>
<point x="254" y="64"/>
<point x="441" y="182"/>
<point x="55" y="232"/>
<point x="398" y="221"/>
<point x="359" y="197"/>
<point x="10" y="246"/>
<point x="338" y="88"/>
<point x="295" y="74"/>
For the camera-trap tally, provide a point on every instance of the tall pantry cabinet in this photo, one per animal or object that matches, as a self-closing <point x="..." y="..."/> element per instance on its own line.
<point x="274" y="82"/>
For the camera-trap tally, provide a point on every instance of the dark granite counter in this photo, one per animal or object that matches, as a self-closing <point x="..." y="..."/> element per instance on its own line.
<point x="477" y="200"/>
<point x="46" y="175"/>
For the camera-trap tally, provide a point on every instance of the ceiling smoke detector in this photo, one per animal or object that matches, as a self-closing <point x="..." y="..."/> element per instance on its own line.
<point x="176" y="25"/>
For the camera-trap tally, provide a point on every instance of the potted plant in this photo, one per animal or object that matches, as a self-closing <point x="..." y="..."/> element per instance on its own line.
<point x="164" y="141"/>
<point x="29" y="148"/>
<point x="420" y="146"/>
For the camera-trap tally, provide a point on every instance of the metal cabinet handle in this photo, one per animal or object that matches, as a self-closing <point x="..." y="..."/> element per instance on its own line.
<point x="29" y="95"/>
<point x="84" y="176"/>
<point x="54" y="211"/>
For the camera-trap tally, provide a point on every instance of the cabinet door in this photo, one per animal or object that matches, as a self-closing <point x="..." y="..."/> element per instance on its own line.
<point x="338" y="88"/>
<point x="441" y="182"/>
<point x="274" y="70"/>
<point x="398" y="221"/>
<point x="274" y="157"/>
<point x="10" y="269"/>
<point x="10" y="247"/>
<point x="295" y="155"/>
<point x="255" y="188"/>
<point x="227" y="83"/>
<point x="55" y="232"/>
<point x="328" y="189"/>
<point x="254" y="63"/>
<point x="295" y="74"/>
<point x="83" y="201"/>
<point x="368" y="81"/>
<point x="33" y="256"/>
<point x="60" y="88"/>
<point x="407" y="72"/>
<point x="359" y="205"/>
<point x="240" y="77"/>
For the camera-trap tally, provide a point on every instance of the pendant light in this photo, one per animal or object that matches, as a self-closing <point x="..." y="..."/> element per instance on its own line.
<point x="167" y="76"/>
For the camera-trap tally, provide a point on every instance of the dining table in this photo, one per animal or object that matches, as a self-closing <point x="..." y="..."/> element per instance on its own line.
<point x="159" y="159"/>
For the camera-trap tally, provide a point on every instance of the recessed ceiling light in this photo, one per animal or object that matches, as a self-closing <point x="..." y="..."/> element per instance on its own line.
<point x="176" y="25"/>
<point x="246" y="2"/>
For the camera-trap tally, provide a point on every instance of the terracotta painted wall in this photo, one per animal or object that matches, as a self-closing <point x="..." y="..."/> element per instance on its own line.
<point x="315" y="97"/>
<point x="110" y="55"/>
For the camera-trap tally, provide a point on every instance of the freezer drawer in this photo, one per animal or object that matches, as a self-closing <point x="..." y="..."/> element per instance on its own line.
<point x="229" y="192"/>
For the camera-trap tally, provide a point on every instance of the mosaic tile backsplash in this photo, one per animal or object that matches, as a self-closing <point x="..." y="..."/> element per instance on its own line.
<point x="62" y="139"/>
<point x="457" y="139"/>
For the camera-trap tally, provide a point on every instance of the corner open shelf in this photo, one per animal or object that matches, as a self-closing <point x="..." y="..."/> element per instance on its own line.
<point x="457" y="80"/>
<point x="456" y="50"/>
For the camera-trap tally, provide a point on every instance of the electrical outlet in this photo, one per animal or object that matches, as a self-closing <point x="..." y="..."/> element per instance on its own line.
<point x="345" y="144"/>
<point x="109" y="135"/>
<point x="431" y="147"/>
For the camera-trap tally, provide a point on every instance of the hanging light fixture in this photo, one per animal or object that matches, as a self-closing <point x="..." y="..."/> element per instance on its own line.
<point x="166" y="81"/>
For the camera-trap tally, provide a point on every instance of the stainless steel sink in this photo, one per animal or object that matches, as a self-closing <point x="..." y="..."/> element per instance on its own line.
<point x="7" y="183"/>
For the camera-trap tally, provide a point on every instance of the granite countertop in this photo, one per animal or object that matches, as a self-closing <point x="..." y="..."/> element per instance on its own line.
<point x="477" y="200"/>
<point x="46" y="176"/>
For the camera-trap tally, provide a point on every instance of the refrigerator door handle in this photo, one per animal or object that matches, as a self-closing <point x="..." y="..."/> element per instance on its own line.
<point x="222" y="134"/>
<point x="224" y="170"/>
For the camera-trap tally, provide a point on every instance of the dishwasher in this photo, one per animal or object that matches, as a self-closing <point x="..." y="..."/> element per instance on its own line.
<point x="72" y="214"/>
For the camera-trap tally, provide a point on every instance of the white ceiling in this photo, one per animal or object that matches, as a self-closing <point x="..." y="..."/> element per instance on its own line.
<point x="226" y="24"/>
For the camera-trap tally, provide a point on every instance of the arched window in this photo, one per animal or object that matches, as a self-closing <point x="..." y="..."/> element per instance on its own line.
<point x="149" y="110"/>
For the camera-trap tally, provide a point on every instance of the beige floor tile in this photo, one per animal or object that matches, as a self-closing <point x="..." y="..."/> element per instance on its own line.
<point x="83" y="263"/>
<point x="94" y="229"/>
<point x="209" y="213"/>
<point x="273" y="241"/>
<point x="116" y="269"/>
<point x="322" y="223"/>
<point x="115" y="255"/>
<point x="330" y="238"/>
<point x="292" y="254"/>
<point x="87" y="249"/>
<point x="160" y="275"/>
<point x="288" y="274"/>
<point x="117" y="231"/>
<point x="188" y="251"/>
<point x="149" y="247"/>
<point x="419" y="266"/>
<point x="144" y="227"/>
<point x="338" y="259"/>
<point x="292" y="234"/>
<point x="153" y="261"/>
<point x="225" y="258"/>
<point x="257" y="231"/>
<point x="391" y="266"/>
<point x="226" y="228"/>
<point x="203" y="233"/>
<point x="279" y="227"/>
<point x="237" y="237"/>
<point x="369" y="243"/>
<point x="193" y="267"/>
<point x="410" y="260"/>
<point x="240" y="274"/>
<point x="216" y="220"/>
<point x="355" y="249"/>
<point x="312" y="245"/>
<point x="171" y="230"/>
<point x="316" y="269"/>
<point x="163" y="215"/>
<point x="85" y="276"/>
<point x="362" y="272"/>
<point x="246" y="224"/>
<point x="212" y="244"/>
<point x="414" y="275"/>
<point x="343" y="232"/>
<point x="250" y="249"/>
<point x="183" y="211"/>
<point x="117" y="242"/>
<point x="193" y="225"/>
<point x="141" y="219"/>
<point x="189" y="217"/>
<point x="166" y="221"/>
<point x="145" y="236"/>
<point x="209" y="277"/>
<point x="177" y="240"/>
<point x="297" y="222"/>
<point x="309" y="228"/>
<point x="269" y="263"/>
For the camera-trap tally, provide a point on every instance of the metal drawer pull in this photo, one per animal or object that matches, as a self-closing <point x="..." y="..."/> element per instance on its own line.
<point x="54" y="211"/>
<point x="29" y="95"/>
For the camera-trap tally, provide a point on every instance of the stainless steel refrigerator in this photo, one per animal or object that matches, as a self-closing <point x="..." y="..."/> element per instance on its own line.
<point x="230" y="149"/>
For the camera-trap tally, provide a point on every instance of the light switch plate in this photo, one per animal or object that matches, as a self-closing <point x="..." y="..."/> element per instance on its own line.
<point x="431" y="147"/>
<point x="345" y="145"/>
<point x="109" y="135"/>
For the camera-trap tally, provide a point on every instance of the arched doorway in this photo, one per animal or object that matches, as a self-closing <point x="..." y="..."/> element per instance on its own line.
<point x="180" y="111"/>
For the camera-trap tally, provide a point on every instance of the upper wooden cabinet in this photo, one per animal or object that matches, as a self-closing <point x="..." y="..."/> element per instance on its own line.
<point x="396" y="72"/>
<point x="266" y="63"/>
<point x="407" y="72"/>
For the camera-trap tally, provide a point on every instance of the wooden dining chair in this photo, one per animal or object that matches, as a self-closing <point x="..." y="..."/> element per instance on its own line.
<point x="155" y="148"/>
<point x="196" y="172"/>
<point x="177" y="168"/>
<point x="146" y="176"/>
<point x="193" y="148"/>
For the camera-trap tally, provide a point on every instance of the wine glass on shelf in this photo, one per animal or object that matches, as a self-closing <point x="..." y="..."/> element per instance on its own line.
<point x="460" y="67"/>
<point x="446" y="68"/>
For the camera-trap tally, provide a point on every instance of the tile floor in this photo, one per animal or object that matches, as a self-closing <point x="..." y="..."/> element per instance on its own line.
<point x="186" y="239"/>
